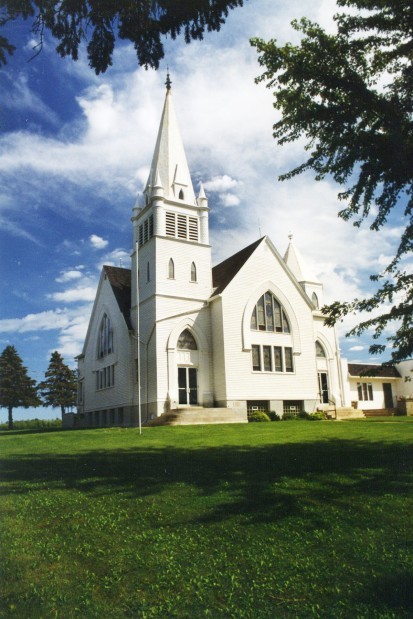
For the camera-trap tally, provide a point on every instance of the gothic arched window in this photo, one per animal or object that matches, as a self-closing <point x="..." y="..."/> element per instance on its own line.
<point x="314" y="300"/>
<point x="193" y="272"/>
<point x="186" y="341"/>
<point x="181" y="194"/>
<point x="319" y="350"/>
<point x="171" y="269"/>
<point x="105" y="337"/>
<point x="269" y="315"/>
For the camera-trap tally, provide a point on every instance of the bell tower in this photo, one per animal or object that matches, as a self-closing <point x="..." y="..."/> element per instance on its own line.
<point x="170" y="223"/>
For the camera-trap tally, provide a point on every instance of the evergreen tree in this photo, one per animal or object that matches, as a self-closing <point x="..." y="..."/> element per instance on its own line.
<point x="350" y="95"/>
<point x="59" y="387"/>
<point x="143" y="22"/>
<point x="16" y="386"/>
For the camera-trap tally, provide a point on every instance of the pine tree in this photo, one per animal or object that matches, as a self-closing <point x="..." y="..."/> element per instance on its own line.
<point x="59" y="387"/>
<point x="16" y="386"/>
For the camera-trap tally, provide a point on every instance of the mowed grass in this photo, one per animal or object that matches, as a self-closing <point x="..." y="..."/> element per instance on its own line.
<point x="288" y="519"/>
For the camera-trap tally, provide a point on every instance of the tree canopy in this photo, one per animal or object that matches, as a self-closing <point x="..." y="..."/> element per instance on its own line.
<point x="350" y="95"/>
<point x="100" y="23"/>
<point x="59" y="389"/>
<point x="16" y="386"/>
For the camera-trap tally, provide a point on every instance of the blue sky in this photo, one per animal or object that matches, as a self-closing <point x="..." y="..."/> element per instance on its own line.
<point x="75" y="150"/>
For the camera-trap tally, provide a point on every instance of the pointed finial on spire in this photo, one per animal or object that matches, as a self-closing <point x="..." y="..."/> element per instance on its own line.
<point x="168" y="82"/>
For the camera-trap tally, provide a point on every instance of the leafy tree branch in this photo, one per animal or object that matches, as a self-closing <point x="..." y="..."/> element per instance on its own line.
<point x="350" y="95"/>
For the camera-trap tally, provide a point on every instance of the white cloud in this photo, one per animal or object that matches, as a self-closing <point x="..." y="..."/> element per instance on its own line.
<point x="118" y="258"/>
<point x="19" y="96"/>
<point x="220" y="183"/>
<point x="43" y="321"/>
<point x="97" y="242"/>
<point x="228" y="199"/>
<point x="357" y="348"/>
<point x="74" y="295"/>
<point x="66" y="276"/>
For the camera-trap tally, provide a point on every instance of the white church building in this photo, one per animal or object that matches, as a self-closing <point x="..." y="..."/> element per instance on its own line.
<point x="175" y="335"/>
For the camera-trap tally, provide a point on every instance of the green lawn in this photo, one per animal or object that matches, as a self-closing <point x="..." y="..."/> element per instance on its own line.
<point x="288" y="519"/>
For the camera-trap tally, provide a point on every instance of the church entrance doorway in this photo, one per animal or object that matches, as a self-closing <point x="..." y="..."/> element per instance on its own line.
<point x="323" y="387"/>
<point x="188" y="386"/>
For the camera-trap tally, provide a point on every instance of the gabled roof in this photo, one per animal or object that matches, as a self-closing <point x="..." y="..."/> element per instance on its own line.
<point x="223" y="273"/>
<point x="120" y="280"/>
<point x="372" y="370"/>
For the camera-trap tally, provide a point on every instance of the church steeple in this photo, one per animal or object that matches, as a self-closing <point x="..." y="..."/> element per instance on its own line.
<point x="169" y="164"/>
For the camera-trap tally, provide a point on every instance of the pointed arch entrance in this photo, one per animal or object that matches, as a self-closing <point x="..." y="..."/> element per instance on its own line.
<point x="189" y="382"/>
<point x="187" y="374"/>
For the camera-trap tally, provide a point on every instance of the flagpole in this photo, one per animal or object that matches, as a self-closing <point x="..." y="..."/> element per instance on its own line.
<point x="138" y="338"/>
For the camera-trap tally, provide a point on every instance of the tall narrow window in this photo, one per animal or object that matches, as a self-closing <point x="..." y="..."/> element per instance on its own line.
<point x="181" y="194"/>
<point x="148" y="272"/>
<point x="193" y="272"/>
<point x="256" y="358"/>
<point x="314" y="300"/>
<point x="266" y="353"/>
<point x="105" y="337"/>
<point x="288" y="354"/>
<point x="278" y="359"/>
<point x="171" y="269"/>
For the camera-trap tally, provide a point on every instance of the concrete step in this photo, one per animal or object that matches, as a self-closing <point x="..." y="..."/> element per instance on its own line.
<point x="349" y="412"/>
<point x="199" y="415"/>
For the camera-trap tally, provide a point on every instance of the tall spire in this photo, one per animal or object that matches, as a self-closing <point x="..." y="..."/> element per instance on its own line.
<point x="168" y="82"/>
<point x="169" y="160"/>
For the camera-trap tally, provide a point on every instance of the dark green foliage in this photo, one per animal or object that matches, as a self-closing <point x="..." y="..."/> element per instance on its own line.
<point x="290" y="417"/>
<point x="273" y="416"/>
<point x="34" y="424"/>
<point x="258" y="416"/>
<point x="16" y="386"/>
<point x="350" y="95"/>
<point x="60" y="386"/>
<point x="101" y="22"/>
<point x="317" y="416"/>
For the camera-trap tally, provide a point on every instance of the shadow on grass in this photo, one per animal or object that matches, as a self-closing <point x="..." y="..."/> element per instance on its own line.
<point x="254" y="485"/>
<point x="261" y="483"/>
<point x="391" y="590"/>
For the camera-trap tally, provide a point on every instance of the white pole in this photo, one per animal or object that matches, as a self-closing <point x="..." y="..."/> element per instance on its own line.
<point x="138" y="338"/>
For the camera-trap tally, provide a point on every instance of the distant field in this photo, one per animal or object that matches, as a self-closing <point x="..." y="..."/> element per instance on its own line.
<point x="287" y="519"/>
